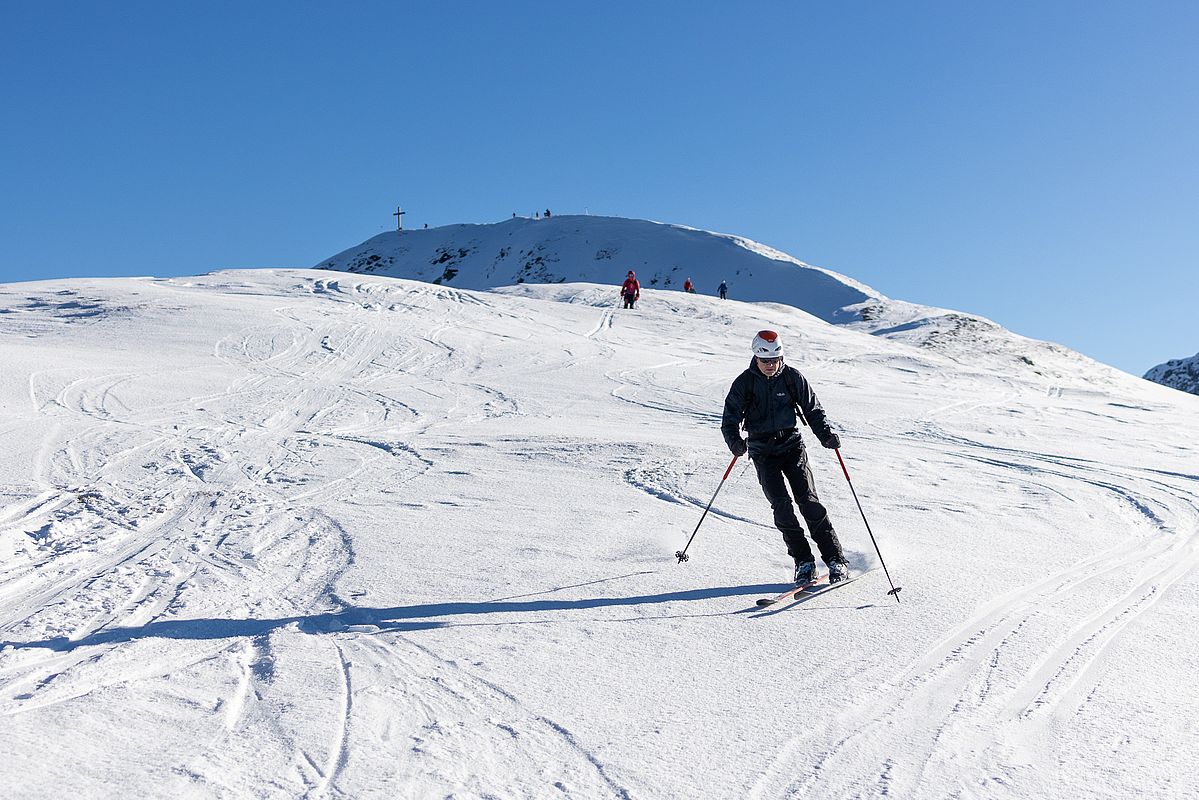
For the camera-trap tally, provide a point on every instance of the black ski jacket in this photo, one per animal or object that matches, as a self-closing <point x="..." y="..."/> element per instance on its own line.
<point x="767" y="406"/>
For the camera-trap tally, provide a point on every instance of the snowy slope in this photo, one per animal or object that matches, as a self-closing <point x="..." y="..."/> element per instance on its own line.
<point x="295" y="533"/>
<point x="1180" y="373"/>
<point x="603" y="249"/>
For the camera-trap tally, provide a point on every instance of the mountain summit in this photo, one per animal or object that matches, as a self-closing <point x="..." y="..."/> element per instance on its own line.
<point x="587" y="249"/>
<point x="601" y="250"/>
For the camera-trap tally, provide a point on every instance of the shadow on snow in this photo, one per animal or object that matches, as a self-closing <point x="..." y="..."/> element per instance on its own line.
<point x="394" y="619"/>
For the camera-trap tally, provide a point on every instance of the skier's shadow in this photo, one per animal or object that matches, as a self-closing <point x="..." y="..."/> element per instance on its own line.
<point x="402" y="619"/>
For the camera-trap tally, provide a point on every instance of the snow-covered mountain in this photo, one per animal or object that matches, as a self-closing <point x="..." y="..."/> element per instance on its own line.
<point x="306" y="534"/>
<point x="603" y="249"/>
<point x="1181" y="374"/>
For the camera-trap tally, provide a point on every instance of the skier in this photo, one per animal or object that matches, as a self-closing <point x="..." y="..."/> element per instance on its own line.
<point x="631" y="290"/>
<point x="765" y="397"/>
<point x="723" y="289"/>
<point x="688" y="286"/>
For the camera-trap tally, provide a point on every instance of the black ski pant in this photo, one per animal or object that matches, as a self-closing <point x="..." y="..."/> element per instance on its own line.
<point x="775" y="471"/>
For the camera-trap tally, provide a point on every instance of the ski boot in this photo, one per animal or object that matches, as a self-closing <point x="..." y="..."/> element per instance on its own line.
<point x="838" y="571"/>
<point x="805" y="571"/>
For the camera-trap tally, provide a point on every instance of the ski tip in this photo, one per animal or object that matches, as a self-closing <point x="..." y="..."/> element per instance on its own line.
<point x="765" y="601"/>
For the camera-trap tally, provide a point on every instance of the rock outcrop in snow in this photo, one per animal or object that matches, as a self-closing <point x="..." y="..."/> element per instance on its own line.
<point x="1181" y="374"/>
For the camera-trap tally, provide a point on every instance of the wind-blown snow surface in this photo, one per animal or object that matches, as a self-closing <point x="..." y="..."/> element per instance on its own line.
<point x="1180" y="373"/>
<point x="289" y="533"/>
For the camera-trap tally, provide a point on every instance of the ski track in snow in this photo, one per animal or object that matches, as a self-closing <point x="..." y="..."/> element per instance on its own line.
<point x="201" y="491"/>
<point x="975" y="705"/>
<point x="195" y="548"/>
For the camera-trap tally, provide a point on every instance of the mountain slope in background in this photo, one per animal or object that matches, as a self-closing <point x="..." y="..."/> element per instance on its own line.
<point x="1181" y="374"/>
<point x="602" y="250"/>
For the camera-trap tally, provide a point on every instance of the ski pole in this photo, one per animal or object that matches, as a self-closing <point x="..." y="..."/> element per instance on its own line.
<point x="894" y="589"/>
<point x="681" y="555"/>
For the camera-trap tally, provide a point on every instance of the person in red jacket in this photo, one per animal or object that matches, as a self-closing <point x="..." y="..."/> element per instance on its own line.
<point x="631" y="290"/>
<point x="688" y="286"/>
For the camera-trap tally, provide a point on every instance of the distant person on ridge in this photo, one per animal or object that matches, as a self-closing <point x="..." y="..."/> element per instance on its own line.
<point x="766" y="397"/>
<point x="688" y="286"/>
<point x="630" y="290"/>
<point x="547" y="213"/>
<point x="723" y="290"/>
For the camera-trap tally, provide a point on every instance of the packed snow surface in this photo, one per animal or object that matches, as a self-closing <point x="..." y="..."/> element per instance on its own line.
<point x="310" y="534"/>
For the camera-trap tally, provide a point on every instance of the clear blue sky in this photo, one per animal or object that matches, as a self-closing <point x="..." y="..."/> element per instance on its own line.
<point x="1033" y="162"/>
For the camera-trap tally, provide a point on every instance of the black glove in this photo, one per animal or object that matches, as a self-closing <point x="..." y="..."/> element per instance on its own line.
<point x="831" y="440"/>
<point x="739" y="448"/>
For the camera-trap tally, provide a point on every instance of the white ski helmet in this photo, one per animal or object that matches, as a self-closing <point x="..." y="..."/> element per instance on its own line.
<point x="768" y="345"/>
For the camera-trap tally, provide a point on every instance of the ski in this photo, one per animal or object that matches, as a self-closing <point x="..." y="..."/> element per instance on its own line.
<point x="809" y="590"/>
<point x="790" y="593"/>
